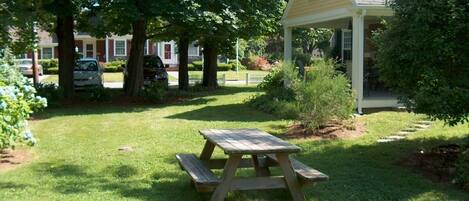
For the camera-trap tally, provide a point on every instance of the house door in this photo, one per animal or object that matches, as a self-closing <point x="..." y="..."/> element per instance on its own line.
<point x="89" y="50"/>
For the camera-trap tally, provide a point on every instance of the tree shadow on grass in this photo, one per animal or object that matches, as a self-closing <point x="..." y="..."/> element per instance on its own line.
<point x="373" y="172"/>
<point x="187" y="99"/>
<point x="231" y="112"/>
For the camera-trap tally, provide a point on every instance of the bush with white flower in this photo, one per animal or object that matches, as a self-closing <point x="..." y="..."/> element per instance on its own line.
<point x="18" y="101"/>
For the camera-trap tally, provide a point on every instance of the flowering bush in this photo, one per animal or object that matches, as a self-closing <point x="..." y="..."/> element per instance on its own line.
<point x="17" y="101"/>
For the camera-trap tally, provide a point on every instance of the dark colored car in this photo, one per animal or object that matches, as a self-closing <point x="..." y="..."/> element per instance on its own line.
<point x="153" y="70"/>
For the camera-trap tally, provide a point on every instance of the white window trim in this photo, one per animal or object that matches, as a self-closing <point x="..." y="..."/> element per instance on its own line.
<point x="125" y="47"/>
<point x="42" y="52"/>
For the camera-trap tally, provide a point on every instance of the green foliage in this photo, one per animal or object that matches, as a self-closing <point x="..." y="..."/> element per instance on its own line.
<point x="156" y="92"/>
<point x="278" y="99"/>
<point x="324" y="96"/>
<point x="98" y="94"/>
<point x="51" y="92"/>
<point x="240" y="65"/>
<point x="52" y="71"/>
<point x="423" y="56"/>
<point x="191" y="67"/>
<point x="50" y="66"/>
<point x="309" y="39"/>
<point x="17" y="101"/>
<point x="198" y="65"/>
<point x="114" y="66"/>
<point x="224" y="67"/>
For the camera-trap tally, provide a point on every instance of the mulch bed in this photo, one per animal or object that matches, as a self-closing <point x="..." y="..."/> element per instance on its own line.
<point x="332" y="131"/>
<point x="11" y="159"/>
<point x="437" y="164"/>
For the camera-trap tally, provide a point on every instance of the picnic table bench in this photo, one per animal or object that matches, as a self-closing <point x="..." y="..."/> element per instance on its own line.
<point x="265" y="150"/>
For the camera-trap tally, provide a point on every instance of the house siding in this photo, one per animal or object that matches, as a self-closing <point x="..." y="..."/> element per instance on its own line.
<point x="101" y="50"/>
<point x="301" y="8"/>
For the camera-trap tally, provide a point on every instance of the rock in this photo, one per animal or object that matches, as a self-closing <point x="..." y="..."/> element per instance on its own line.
<point x="126" y="149"/>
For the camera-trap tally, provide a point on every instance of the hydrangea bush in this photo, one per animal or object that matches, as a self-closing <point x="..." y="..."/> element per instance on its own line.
<point x="18" y="101"/>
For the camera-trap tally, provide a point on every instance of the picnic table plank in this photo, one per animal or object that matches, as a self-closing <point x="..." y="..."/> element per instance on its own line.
<point x="248" y="141"/>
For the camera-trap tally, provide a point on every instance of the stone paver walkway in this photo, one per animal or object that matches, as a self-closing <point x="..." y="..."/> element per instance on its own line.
<point x="404" y="133"/>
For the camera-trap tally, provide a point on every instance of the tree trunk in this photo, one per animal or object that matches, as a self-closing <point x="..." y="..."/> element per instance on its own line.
<point x="134" y="80"/>
<point x="210" y="66"/>
<point x="66" y="49"/>
<point x="183" y="49"/>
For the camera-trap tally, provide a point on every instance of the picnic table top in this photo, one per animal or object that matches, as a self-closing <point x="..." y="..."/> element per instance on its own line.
<point x="248" y="141"/>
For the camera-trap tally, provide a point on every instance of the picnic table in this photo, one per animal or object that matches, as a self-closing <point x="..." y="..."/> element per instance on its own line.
<point x="265" y="151"/>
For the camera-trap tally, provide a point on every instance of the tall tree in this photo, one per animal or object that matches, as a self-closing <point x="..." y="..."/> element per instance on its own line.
<point x="120" y="18"/>
<point x="424" y="57"/>
<point x="178" y="21"/>
<point x="55" y="16"/>
<point x="224" y="21"/>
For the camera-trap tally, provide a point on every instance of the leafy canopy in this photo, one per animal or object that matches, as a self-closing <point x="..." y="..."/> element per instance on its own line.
<point x="424" y="56"/>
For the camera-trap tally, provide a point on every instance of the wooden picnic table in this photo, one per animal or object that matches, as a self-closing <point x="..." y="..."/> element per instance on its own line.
<point x="265" y="150"/>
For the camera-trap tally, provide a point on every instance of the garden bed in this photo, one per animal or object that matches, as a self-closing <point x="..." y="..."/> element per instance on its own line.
<point x="12" y="159"/>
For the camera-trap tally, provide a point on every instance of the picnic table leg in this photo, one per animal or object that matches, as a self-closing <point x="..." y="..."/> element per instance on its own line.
<point x="207" y="151"/>
<point x="227" y="177"/>
<point x="260" y="171"/>
<point x="290" y="177"/>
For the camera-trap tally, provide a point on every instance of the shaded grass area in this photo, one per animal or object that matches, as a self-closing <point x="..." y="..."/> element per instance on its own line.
<point x="78" y="158"/>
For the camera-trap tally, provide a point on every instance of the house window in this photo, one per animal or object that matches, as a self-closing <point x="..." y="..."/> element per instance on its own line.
<point x="146" y="51"/>
<point x="347" y="45"/>
<point x="120" y="47"/>
<point x="167" y="51"/>
<point x="89" y="51"/>
<point x="47" y="53"/>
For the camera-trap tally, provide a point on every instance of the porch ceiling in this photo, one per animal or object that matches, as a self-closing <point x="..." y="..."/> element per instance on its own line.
<point x="332" y="13"/>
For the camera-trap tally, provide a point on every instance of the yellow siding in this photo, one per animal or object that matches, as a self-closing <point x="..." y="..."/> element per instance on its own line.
<point x="309" y="7"/>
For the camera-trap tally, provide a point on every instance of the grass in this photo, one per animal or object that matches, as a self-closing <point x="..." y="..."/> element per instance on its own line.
<point x="77" y="157"/>
<point x="230" y="75"/>
<point x="108" y="77"/>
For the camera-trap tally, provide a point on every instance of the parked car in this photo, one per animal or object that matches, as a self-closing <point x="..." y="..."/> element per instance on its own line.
<point x="26" y="67"/>
<point x="88" y="72"/>
<point x="153" y="70"/>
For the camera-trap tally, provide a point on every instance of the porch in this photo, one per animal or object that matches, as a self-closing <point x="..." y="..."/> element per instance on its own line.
<point x="354" y="23"/>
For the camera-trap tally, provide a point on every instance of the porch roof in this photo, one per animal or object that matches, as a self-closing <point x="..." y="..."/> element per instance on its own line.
<point x="319" y="12"/>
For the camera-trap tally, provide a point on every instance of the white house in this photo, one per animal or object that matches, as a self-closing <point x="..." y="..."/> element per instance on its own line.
<point x="354" y="21"/>
<point x="112" y="48"/>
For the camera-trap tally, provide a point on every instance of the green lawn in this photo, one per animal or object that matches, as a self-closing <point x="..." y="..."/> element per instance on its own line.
<point x="230" y="75"/>
<point x="108" y="77"/>
<point x="77" y="157"/>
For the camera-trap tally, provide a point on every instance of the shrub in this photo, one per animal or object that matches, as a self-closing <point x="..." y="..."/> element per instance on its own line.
<point x="114" y="66"/>
<point x="224" y="67"/>
<point x="51" y="92"/>
<point x="99" y="94"/>
<point x="256" y="63"/>
<point x="190" y="67"/>
<point x="52" y="71"/>
<point x="278" y="99"/>
<point x="17" y="101"/>
<point x="50" y="66"/>
<point x="198" y="65"/>
<point x="324" y="96"/>
<point x="233" y="65"/>
<point x="303" y="59"/>
<point x="423" y="56"/>
<point x="155" y="92"/>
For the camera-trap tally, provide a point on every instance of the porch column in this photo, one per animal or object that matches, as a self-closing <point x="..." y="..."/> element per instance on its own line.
<point x="287" y="44"/>
<point x="107" y="49"/>
<point x="358" y="56"/>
